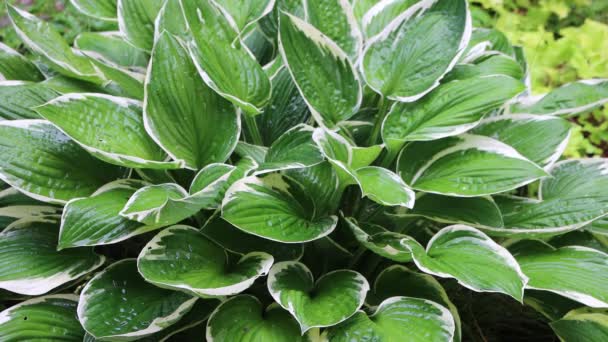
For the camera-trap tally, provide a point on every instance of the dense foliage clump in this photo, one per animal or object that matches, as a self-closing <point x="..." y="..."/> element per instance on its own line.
<point x="293" y="171"/>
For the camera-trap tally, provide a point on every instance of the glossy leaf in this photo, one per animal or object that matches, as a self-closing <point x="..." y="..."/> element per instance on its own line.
<point x="380" y="241"/>
<point x="114" y="48"/>
<point x="411" y="55"/>
<point x="246" y="13"/>
<point x="381" y="14"/>
<point x="322" y="71"/>
<point x="242" y="318"/>
<point x="111" y="128"/>
<point x="582" y="325"/>
<point x="467" y="166"/>
<point x="398" y="319"/>
<point x="487" y="66"/>
<point x="136" y="21"/>
<point x="295" y="149"/>
<point x="45" y="164"/>
<point x="44" y="40"/>
<point x="451" y="109"/>
<point x="14" y="66"/>
<point x="18" y="98"/>
<point x="384" y="187"/>
<point x="274" y="208"/>
<point x="98" y="9"/>
<point x="188" y="119"/>
<point x="95" y="220"/>
<point x="31" y="265"/>
<point x="51" y="318"/>
<point x="181" y="258"/>
<point x="330" y="300"/>
<point x="118" y="304"/>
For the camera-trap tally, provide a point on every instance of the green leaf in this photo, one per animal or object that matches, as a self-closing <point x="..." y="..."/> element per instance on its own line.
<point x="321" y="70"/>
<point x="384" y="187"/>
<point x="472" y="258"/>
<point x="486" y="66"/>
<point x="114" y="48"/>
<point x="13" y="213"/>
<point x="389" y="283"/>
<point x="487" y="41"/>
<point x="466" y="166"/>
<point x="380" y="15"/>
<point x="171" y="19"/>
<point x="95" y="220"/>
<point x="332" y="299"/>
<point x="98" y="9"/>
<point x="336" y="20"/>
<point x="398" y="319"/>
<point x="570" y="99"/>
<point x="322" y="181"/>
<point x="451" y="109"/>
<point x="541" y="139"/>
<point x="572" y="198"/>
<point x="246" y="13"/>
<point x="128" y="83"/>
<point x="136" y="21"/>
<point x="43" y="163"/>
<point x="188" y="119"/>
<point x="50" y="318"/>
<point x="583" y="324"/>
<point x="285" y="110"/>
<point x="30" y="263"/>
<point x="112" y="299"/>
<point x="411" y="55"/>
<point x="41" y="38"/>
<point x="242" y="318"/>
<point x="110" y="128"/>
<point x="379" y="240"/>
<point x="236" y="241"/>
<point x="14" y="66"/>
<point x="166" y="204"/>
<point x="181" y="258"/>
<point x="19" y="97"/>
<point x="295" y="149"/>
<point x="227" y="68"/>
<point x="275" y="208"/>
<point x="474" y="211"/>
<point x="578" y="273"/>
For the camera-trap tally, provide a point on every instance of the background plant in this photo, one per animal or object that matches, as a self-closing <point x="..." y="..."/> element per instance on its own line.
<point x="293" y="170"/>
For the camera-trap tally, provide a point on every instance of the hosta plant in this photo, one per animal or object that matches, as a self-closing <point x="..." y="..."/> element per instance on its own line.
<point x="289" y="170"/>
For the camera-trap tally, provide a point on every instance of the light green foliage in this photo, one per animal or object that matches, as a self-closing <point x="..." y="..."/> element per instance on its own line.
<point x="302" y="170"/>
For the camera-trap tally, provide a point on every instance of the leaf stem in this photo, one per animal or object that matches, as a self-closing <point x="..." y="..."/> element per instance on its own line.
<point x="383" y="108"/>
<point x="253" y="130"/>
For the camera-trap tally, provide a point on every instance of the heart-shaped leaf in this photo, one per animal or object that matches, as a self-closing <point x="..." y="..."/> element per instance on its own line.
<point x="95" y="220"/>
<point x="541" y="139"/>
<point x="336" y="20"/>
<point x="577" y="185"/>
<point x="43" y="163"/>
<point x="227" y="68"/>
<point x="111" y="299"/>
<point x="451" y="109"/>
<point x="42" y="38"/>
<point x="474" y="211"/>
<point x="411" y="55"/>
<point x="111" y="128"/>
<point x="242" y="318"/>
<point x="51" y="318"/>
<point x="236" y="241"/>
<point x="30" y="263"/>
<point x="322" y="71"/>
<point x="466" y="166"/>
<point x="188" y="119"/>
<point x="578" y="273"/>
<point x="166" y="204"/>
<point x="14" y="66"/>
<point x="330" y="300"/>
<point x="570" y="99"/>
<point x="389" y="283"/>
<point x="18" y="98"/>
<point x="275" y="208"/>
<point x="136" y="21"/>
<point x="203" y="270"/>
<point x="582" y="325"/>
<point x="98" y="9"/>
<point x="398" y="319"/>
<point x="294" y="149"/>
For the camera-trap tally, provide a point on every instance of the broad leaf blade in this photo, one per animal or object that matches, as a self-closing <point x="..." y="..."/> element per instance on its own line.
<point x="14" y="66"/>
<point x="136" y="21"/>
<point x="98" y="9"/>
<point x="18" y="98"/>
